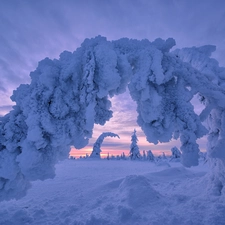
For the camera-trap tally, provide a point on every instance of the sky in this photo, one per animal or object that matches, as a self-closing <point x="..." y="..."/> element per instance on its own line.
<point x="33" y="30"/>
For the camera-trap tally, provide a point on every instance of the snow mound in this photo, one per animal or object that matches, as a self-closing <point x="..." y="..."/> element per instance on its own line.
<point x="137" y="191"/>
<point x="173" y="172"/>
<point x="79" y="196"/>
<point x="162" y="163"/>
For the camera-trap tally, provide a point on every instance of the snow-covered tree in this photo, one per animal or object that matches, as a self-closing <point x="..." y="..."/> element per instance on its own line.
<point x="112" y="157"/>
<point x="134" y="149"/>
<point x="164" y="156"/>
<point x="123" y="156"/>
<point x="97" y="145"/>
<point x="150" y="156"/>
<point x="175" y="152"/>
<point x="144" y="155"/>
<point x="67" y="96"/>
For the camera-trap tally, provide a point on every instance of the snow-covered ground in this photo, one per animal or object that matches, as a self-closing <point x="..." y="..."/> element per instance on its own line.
<point x="96" y="192"/>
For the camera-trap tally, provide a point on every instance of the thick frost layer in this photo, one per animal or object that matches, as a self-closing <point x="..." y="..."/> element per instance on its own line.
<point x="67" y="96"/>
<point x="97" y="145"/>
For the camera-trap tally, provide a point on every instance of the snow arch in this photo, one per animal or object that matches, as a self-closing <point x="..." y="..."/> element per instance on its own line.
<point x="67" y="96"/>
<point x="97" y="145"/>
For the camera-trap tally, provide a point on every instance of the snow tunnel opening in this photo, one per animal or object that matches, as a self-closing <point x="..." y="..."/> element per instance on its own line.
<point x="197" y="103"/>
<point x="123" y="122"/>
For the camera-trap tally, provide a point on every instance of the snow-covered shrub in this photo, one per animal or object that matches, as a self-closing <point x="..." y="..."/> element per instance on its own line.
<point x="123" y="156"/>
<point x="144" y="157"/>
<point x="161" y="157"/>
<point x="176" y="154"/>
<point x="164" y="156"/>
<point x="118" y="157"/>
<point x="150" y="156"/>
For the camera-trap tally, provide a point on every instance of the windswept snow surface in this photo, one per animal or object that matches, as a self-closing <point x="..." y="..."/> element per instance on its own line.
<point x="95" y="192"/>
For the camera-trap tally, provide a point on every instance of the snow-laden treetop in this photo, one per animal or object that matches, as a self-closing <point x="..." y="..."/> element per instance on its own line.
<point x="97" y="145"/>
<point x="68" y="95"/>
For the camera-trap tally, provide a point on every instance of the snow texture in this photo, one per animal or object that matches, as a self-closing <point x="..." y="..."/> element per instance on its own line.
<point x="67" y="96"/>
<point x="118" y="193"/>
<point x="97" y="145"/>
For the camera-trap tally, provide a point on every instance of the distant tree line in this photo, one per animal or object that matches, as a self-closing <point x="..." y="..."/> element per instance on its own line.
<point x="135" y="153"/>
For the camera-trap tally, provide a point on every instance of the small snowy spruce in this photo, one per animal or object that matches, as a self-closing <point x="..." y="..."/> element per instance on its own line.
<point x="164" y="156"/>
<point x="150" y="156"/>
<point x="144" y="157"/>
<point x="123" y="156"/>
<point x="134" y="149"/>
<point x="175" y="152"/>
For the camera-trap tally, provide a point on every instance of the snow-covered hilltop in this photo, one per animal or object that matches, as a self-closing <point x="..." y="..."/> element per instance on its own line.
<point x="67" y="96"/>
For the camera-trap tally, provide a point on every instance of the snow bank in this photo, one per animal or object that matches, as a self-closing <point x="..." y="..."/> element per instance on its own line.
<point x="137" y="191"/>
<point x="117" y="193"/>
<point x="67" y="96"/>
